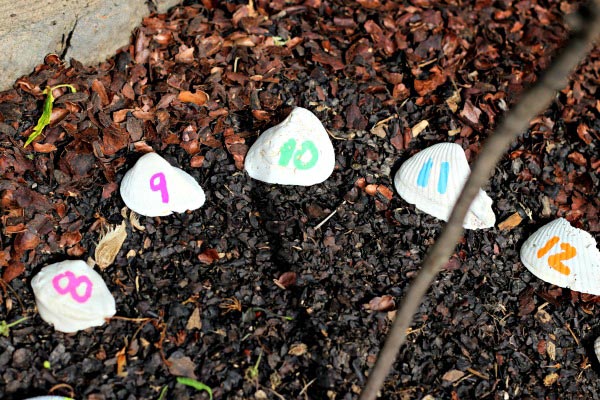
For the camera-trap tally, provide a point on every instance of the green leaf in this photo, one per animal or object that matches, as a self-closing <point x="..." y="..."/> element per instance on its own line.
<point x="45" y="117"/>
<point x="195" y="384"/>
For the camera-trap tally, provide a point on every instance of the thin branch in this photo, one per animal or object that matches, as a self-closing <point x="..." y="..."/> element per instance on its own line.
<point x="534" y="101"/>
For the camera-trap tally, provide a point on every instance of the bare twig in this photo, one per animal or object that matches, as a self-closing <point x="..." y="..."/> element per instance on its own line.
<point x="534" y="100"/>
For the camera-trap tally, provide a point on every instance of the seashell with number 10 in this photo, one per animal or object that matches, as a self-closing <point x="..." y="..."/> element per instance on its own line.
<point x="295" y="152"/>
<point x="72" y="296"/>
<point x="154" y="188"/>
<point x="433" y="179"/>
<point x="564" y="256"/>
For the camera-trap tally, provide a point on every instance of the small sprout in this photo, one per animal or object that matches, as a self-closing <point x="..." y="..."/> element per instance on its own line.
<point x="163" y="392"/>
<point x="47" y="364"/>
<point x="5" y="328"/>
<point x="251" y="373"/>
<point x="45" y="118"/>
<point x="196" y="385"/>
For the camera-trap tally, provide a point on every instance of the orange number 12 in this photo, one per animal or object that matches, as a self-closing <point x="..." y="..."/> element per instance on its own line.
<point x="555" y="260"/>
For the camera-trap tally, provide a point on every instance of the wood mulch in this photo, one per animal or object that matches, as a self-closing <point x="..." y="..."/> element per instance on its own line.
<point x="196" y="293"/>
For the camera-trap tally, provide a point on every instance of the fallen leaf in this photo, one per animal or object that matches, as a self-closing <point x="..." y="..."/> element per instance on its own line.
<point x="181" y="365"/>
<point x="286" y="280"/>
<point x="454" y="100"/>
<point x="208" y="256"/>
<point x="43" y="147"/>
<point x="198" y="97"/>
<point x="109" y="245"/>
<point x="418" y="128"/>
<point x="453" y="375"/>
<point x="194" y="321"/>
<point x="297" y="349"/>
<point x="550" y="379"/>
<point x="383" y="303"/>
<point x="551" y="350"/>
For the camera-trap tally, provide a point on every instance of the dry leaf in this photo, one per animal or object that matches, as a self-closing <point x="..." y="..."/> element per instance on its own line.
<point x="383" y="303"/>
<point x="510" y="222"/>
<point x="297" y="349"/>
<point x="135" y="222"/>
<point x="550" y="379"/>
<point x="286" y="280"/>
<point x="180" y="365"/>
<point x="122" y="362"/>
<point x="454" y="100"/>
<point x="109" y="246"/>
<point x="194" y="321"/>
<point x="418" y="128"/>
<point x="453" y="375"/>
<point x="199" y="97"/>
<point x="551" y="350"/>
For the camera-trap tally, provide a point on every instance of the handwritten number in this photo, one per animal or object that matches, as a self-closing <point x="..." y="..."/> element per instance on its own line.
<point x="555" y="261"/>
<point x="73" y="284"/>
<point x="288" y="151"/>
<point x="159" y="182"/>
<point x="425" y="172"/>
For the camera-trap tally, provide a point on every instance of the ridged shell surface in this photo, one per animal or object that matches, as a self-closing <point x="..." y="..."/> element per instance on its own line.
<point x="564" y="256"/>
<point x="597" y="348"/>
<point x="433" y="179"/>
<point x="297" y="151"/>
<point x="72" y="296"/>
<point x="153" y="188"/>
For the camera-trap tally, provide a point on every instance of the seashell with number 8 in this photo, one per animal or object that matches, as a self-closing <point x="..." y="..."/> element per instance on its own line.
<point x="433" y="179"/>
<point x="72" y="296"/>
<point x="154" y="188"/>
<point x="564" y="256"/>
<point x="297" y="151"/>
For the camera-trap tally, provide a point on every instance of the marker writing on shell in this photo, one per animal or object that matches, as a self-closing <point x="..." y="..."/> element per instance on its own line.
<point x="425" y="172"/>
<point x="159" y="182"/>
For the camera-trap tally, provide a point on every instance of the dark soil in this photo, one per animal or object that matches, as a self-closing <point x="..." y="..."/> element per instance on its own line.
<point x="487" y="329"/>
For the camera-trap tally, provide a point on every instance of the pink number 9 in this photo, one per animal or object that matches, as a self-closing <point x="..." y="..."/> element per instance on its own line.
<point x="158" y="182"/>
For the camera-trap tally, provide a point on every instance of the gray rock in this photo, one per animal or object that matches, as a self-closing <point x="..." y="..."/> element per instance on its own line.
<point x="89" y="31"/>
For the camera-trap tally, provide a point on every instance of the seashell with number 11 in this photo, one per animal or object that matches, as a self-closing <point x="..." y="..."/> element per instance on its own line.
<point x="297" y="151"/>
<point x="433" y="179"/>
<point x="154" y="188"/>
<point x="563" y="255"/>
<point x="72" y="296"/>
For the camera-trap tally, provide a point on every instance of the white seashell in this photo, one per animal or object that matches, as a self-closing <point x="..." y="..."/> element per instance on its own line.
<point x="433" y="179"/>
<point x="295" y="152"/>
<point x="564" y="256"/>
<point x="49" y="398"/>
<point x="153" y="188"/>
<point x="72" y="296"/>
<point x="597" y="347"/>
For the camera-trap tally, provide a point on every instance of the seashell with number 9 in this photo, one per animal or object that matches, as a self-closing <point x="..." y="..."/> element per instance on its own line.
<point x="297" y="151"/>
<point x="563" y="255"/>
<point x="154" y="188"/>
<point x="72" y="296"/>
<point x="433" y="179"/>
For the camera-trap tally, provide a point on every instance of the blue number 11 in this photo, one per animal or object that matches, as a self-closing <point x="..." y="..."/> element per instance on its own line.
<point x="425" y="171"/>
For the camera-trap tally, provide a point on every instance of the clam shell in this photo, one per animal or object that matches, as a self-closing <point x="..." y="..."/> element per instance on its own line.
<point x="564" y="256"/>
<point x="295" y="152"/>
<point x="72" y="296"/>
<point x="597" y="347"/>
<point x="49" y="398"/>
<point x="433" y="179"/>
<point x="153" y="188"/>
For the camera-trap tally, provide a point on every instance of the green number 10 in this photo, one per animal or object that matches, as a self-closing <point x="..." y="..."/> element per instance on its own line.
<point x="288" y="151"/>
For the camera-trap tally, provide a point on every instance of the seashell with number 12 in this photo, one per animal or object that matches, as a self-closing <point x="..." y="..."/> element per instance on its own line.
<point x="154" y="188"/>
<point x="72" y="296"/>
<point x="295" y="152"/>
<point x="433" y="179"/>
<point x="563" y="255"/>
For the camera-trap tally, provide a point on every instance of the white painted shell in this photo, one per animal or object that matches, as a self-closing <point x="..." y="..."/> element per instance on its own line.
<point x="72" y="296"/>
<point x="153" y="188"/>
<point x="49" y="398"/>
<point x="597" y="347"/>
<point x="298" y="151"/>
<point x="564" y="256"/>
<point x="433" y="179"/>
